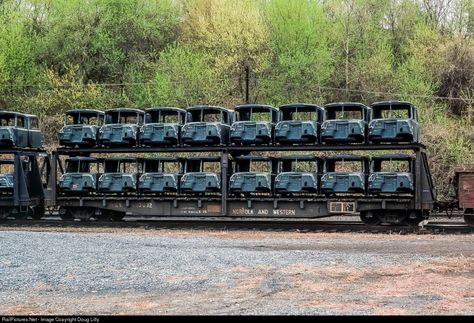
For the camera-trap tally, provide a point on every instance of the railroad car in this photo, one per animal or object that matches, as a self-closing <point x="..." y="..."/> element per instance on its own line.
<point x="19" y="130"/>
<point x="162" y="126"/>
<point x="160" y="175"/>
<point x="255" y="124"/>
<point x="394" y="121"/>
<point x="207" y="125"/>
<point x="299" y="124"/>
<point x="464" y="192"/>
<point x="120" y="175"/>
<point x="252" y="174"/>
<point x="202" y="175"/>
<point x="298" y="174"/>
<point x="22" y="189"/>
<point x="121" y="127"/>
<point x="391" y="174"/>
<point x="81" y="128"/>
<point x="345" y="122"/>
<point x="80" y="177"/>
<point x="344" y="174"/>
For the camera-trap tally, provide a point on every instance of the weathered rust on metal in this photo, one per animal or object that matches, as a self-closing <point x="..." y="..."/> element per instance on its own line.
<point x="464" y="181"/>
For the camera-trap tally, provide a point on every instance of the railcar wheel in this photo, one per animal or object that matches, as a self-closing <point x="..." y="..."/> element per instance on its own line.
<point x="368" y="217"/>
<point x="469" y="217"/>
<point x="414" y="218"/>
<point x="5" y="213"/>
<point x="37" y="212"/>
<point x="83" y="213"/>
<point x="112" y="215"/>
<point x="66" y="214"/>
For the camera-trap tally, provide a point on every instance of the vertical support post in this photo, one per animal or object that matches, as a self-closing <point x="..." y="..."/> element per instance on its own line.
<point x="224" y="172"/>
<point x="52" y="180"/>
<point x="247" y="83"/>
<point x="418" y="181"/>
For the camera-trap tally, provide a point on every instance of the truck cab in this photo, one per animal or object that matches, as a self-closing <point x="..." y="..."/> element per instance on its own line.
<point x="160" y="175"/>
<point x="207" y="125"/>
<point x="298" y="174"/>
<point x="19" y="130"/>
<point x="80" y="177"/>
<point x="344" y="174"/>
<point x="121" y="127"/>
<point x="252" y="174"/>
<point x="254" y="125"/>
<point x="202" y="175"/>
<point x="345" y="122"/>
<point x="391" y="174"/>
<point x="81" y="128"/>
<point x="394" y="121"/>
<point x="120" y="175"/>
<point x="299" y="123"/>
<point x="162" y="126"/>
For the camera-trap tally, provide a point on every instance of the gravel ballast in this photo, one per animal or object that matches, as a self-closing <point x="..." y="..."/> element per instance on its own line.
<point x="173" y="272"/>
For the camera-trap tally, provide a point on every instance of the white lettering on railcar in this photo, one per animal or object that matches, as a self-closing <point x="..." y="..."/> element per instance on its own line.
<point x="284" y="212"/>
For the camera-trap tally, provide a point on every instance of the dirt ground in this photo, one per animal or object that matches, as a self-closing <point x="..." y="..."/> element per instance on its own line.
<point x="367" y="274"/>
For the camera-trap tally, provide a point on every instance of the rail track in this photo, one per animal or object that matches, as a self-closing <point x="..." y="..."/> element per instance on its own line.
<point x="317" y="225"/>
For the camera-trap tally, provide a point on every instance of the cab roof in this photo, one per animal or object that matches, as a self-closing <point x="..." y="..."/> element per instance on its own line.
<point x="346" y="104"/>
<point x="393" y="157"/>
<point x="261" y="107"/>
<point x="130" y="110"/>
<point x="165" y="109"/>
<point x="389" y="103"/>
<point x="209" y="107"/>
<point x="91" y="111"/>
<point x="299" y="105"/>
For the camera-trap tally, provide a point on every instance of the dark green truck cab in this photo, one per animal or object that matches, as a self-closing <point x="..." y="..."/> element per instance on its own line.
<point x="121" y="127"/>
<point x="160" y="175"/>
<point x="207" y="125"/>
<point x="254" y="125"/>
<point x="20" y="130"/>
<point x="391" y="174"/>
<point x="80" y="176"/>
<point x="81" y="128"/>
<point x="394" y="121"/>
<point x="299" y="123"/>
<point x="298" y="174"/>
<point x="344" y="174"/>
<point x="252" y="174"/>
<point x="120" y="175"/>
<point x="345" y="122"/>
<point x="162" y="126"/>
<point x="202" y="175"/>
